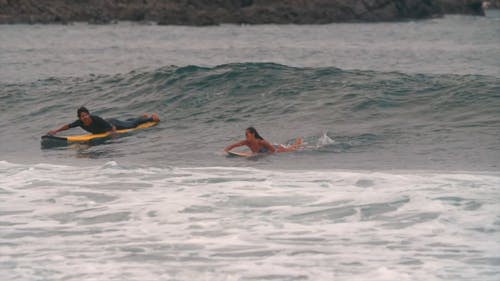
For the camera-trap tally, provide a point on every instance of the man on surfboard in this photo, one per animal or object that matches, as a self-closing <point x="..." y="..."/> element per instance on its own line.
<point x="258" y="144"/>
<point x="96" y="125"/>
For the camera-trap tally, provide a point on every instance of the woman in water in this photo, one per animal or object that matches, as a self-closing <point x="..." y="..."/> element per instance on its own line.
<point x="258" y="144"/>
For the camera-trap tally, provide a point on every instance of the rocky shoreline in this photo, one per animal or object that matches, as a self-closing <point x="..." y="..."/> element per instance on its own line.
<point x="491" y="4"/>
<point x="213" y="12"/>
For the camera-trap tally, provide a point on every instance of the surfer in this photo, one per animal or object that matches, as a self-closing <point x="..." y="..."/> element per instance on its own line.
<point x="96" y="125"/>
<point x="258" y="144"/>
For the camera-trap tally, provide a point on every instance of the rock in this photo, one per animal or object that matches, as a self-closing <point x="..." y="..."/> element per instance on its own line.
<point x="491" y="4"/>
<point x="210" y="12"/>
<point x="468" y="7"/>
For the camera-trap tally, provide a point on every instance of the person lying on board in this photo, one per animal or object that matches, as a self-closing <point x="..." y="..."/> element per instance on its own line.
<point x="258" y="144"/>
<point x="96" y="125"/>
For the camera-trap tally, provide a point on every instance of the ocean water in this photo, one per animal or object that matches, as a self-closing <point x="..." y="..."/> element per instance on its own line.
<point x="398" y="178"/>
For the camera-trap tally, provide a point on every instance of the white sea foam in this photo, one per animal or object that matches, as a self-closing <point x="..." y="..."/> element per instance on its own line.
<point x="114" y="222"/>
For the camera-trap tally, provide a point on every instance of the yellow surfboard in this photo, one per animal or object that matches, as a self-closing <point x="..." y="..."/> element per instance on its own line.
<point x="49" y="140"/>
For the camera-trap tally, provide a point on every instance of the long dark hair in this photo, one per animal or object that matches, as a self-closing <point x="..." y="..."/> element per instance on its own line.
<point x="255" y="133"/>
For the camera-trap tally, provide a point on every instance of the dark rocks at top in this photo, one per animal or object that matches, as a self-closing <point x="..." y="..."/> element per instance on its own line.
<point x="212" y="12"/>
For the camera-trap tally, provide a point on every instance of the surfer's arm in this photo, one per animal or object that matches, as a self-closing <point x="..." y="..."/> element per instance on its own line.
<point x="237" y="144"/>
<point x="66" y="127"/>
<point x="63" y="128"/>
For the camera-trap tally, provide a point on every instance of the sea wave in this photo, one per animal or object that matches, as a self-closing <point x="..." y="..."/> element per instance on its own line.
<point x="269" y="88"/>
<point x="437" y="116"/>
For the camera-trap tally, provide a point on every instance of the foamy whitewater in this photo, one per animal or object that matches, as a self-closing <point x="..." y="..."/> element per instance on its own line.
<point x="398" y="178"/>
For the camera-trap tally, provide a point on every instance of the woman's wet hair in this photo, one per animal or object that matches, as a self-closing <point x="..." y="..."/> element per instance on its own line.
<point x="255" y="133"/>
<point x="82" y="109"/>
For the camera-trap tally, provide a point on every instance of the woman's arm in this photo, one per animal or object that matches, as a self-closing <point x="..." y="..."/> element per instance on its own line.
<point x="240" y="143"/>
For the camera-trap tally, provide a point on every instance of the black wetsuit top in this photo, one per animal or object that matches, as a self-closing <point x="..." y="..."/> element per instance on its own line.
<point x="97" y="126"/>
<point x="100" y="125"/>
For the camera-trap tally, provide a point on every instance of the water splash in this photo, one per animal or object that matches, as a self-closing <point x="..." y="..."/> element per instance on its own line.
<point x="324" y="140"/>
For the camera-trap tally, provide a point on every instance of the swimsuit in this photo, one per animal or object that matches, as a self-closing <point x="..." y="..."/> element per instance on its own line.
<point x="265" y="150"/>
